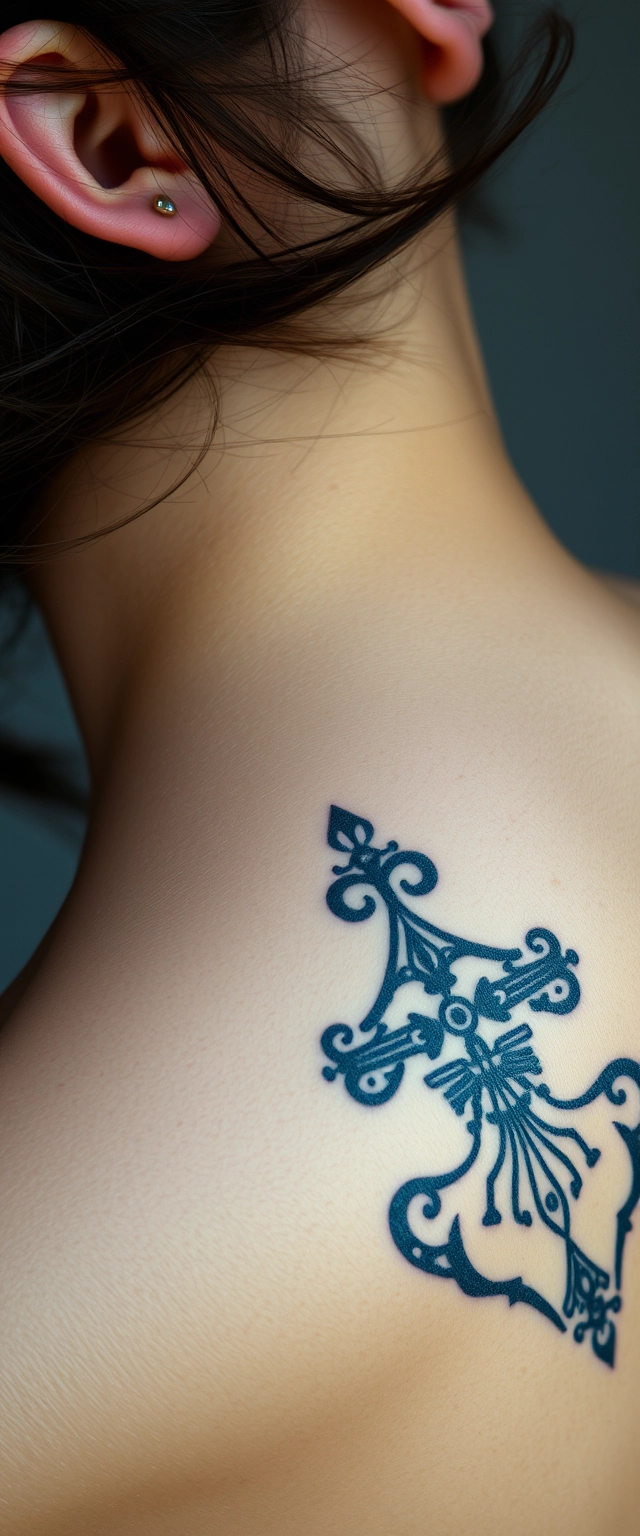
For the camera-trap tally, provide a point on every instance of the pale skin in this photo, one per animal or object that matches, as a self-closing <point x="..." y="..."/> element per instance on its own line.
<point x="205" y="1326"/>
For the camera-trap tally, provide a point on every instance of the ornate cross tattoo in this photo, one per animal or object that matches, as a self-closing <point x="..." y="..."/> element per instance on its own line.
<point x="493" y="1082"/>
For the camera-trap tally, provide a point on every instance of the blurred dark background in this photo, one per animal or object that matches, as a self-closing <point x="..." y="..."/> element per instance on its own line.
<point x="553" y="273"/>
<point x="556" y="291"/>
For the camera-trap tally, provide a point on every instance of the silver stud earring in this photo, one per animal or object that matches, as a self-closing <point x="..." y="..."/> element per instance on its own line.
<point x="164" y="205"/>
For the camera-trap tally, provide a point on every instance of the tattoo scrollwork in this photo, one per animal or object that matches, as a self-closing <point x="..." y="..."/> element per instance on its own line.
<point x="493" y="1083"/>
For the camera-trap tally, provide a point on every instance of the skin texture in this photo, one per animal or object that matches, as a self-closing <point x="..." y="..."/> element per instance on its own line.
<point x="205" y="1325"/>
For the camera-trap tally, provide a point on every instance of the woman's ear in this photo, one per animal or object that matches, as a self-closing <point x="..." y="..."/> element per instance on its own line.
<point x="452" y="33"/>
<point x="94" y="155"/>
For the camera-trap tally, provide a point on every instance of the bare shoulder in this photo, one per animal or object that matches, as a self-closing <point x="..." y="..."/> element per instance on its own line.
<point x="320" y="1130"/>
<point x="624" y="586"/>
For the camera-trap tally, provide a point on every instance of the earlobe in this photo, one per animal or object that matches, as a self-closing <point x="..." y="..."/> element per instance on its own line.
<point x="452" y="33"/>
<point x="84" y="176"/>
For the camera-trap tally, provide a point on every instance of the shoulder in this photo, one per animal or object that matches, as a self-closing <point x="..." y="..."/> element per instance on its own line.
<point x="200" y="1269"/>
<point x="624" y="586"/>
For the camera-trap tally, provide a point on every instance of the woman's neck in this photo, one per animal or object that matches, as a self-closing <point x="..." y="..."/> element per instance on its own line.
<point x="346" y="472"/>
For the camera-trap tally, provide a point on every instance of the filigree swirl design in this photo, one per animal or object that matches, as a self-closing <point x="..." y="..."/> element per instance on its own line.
<point x="493" y="1083"/>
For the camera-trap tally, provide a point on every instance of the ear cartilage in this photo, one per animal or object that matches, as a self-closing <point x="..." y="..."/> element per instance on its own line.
<point x="164" y="205"/>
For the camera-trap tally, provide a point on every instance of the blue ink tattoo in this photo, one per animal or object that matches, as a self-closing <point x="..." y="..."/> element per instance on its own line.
<point x="493" y="1082"/>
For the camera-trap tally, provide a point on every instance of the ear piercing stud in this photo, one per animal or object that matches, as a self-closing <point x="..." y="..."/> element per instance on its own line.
<point x="164" y="205"/>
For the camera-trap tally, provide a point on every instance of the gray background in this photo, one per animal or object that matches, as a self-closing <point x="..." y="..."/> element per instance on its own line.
<point x="557" y="301"/>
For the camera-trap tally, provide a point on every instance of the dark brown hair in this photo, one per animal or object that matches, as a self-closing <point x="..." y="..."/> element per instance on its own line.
<point x="93" y="335"/>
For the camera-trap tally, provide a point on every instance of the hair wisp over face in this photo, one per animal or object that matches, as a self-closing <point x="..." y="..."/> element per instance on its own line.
<point x="214" y="101"/>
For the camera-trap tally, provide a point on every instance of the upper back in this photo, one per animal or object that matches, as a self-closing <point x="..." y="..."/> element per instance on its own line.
<point x="249" y="1284"/>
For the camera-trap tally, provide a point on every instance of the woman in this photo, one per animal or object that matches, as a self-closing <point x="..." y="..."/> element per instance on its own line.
<point x="227" y="1221"/>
